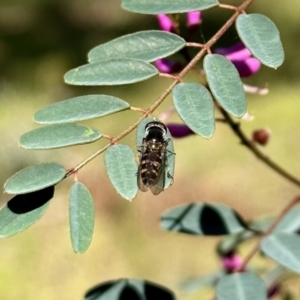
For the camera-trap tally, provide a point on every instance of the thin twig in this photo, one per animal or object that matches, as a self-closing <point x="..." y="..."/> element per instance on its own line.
<point x="255" y="150"/>
<point x="256" y="247"/>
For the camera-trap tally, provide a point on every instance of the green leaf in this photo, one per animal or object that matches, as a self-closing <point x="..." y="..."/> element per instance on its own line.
<point x="81" y="217"/>
<point x="79" y="109"/>
<point x="34" y="178"/>
<point x="241" y="286"/>
<point x="203" y="219"/>
<point x="170" y="168"/>
<point x="58" y="136"/>
<point x="111" y="72"/>
<point x="290" y="222"/>
<point x="144" y="45"/>
<point x="206" y="281"/>
<point x="283" y="248"/>
<point x="121" y="169"/>
<point x="225" y="84"/>
<point x="24" y="210"/>
<point x="261" y="37"/>
<point x="136" y="289"/>
<point x="166" y="6"/>
<point x="195" y="106"/>
<point x="261" y="224"/>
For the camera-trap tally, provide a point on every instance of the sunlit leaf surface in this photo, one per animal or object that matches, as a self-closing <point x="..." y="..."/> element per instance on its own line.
<point x="79" y="109"/>
<point x="225" y="84"/>
<point x="121" y="169"/>
<point x="261" y="37"/>
<point x="167" y="6"/>
<point x="58" y="136"/>
<point x="34" y="178"/>
<point x="195" y="106"/>
<point x="111" y="72"/>
<point x="144" y="45"/>
<point x="81" y="217"/>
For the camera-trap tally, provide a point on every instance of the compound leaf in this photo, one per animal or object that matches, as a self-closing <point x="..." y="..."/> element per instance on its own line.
<point x="79" y="109"/>
<point x="167" y="6"/>
<point x="225" y="84"/>
<point x="34" y="178"/>
<point x="144" y="45"/>
<point x="81" y="217"/>
<point x="24" y="210"/>
<point x="195" y="106"/>
<point x="121" y="169"/>
<point x="261" y="37"/>
<point x="111" y="72"/>
<point x="58" y="136"/>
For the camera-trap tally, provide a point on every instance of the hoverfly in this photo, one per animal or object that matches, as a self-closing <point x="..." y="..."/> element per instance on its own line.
<point x="153" y="155"/>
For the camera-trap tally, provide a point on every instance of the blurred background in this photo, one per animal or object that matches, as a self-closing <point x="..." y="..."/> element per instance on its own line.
<point x="40" y="40"/>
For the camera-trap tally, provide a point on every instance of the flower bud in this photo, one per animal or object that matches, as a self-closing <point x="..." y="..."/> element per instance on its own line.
<point x="261" y="136"/>
<point x="179" y="130"/>
<point x="231" y="262"/>
<point x="193" y="20"/>
<point x="165" y="65"/>
<point x="165" y="23"/>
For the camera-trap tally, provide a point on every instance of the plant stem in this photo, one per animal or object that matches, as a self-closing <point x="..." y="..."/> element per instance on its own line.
<point x="255" y="150"/>
<point x="256" y="247"/>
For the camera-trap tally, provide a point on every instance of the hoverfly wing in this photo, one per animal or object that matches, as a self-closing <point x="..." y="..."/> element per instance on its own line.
<point x="141" y="185"/>
<point x="159" y="184"/>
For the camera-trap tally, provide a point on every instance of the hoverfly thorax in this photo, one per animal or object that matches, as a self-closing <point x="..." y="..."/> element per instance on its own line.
<point x="153" y="158"/>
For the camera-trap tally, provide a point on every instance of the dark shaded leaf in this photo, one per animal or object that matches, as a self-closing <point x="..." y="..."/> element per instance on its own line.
<point x="123" y="289"/>
<point x="24" y="210"/>
<point x="203" y="219"/>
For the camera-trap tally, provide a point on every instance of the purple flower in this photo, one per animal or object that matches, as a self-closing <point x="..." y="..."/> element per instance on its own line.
<point x="241" y="57"/>
<point x="165" y="23"/>
<point x="165" y="65"/>
<point x="193" y="20"/>
<point x="179" y="130"/>
<point x="231" y="262"/>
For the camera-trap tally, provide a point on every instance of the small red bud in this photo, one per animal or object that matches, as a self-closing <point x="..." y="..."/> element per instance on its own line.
<point x="261" y="136"/>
